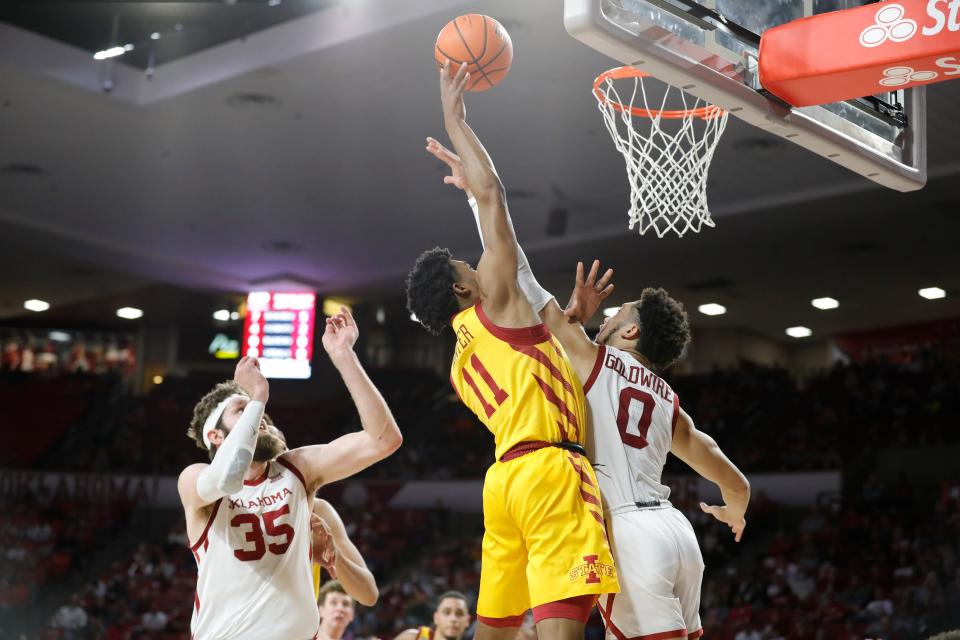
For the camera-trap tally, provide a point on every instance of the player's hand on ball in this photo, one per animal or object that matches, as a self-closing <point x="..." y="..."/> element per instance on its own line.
<point x="340" y="334"/>
<point x="453" y="81"/>
<point x="251" y="379"/>
<point x="452" y="160"/>
<point x="732" y="519"/>
<point x="588" y="294"/>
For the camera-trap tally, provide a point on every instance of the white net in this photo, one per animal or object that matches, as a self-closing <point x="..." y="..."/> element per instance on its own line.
<point x="668" y="151"/>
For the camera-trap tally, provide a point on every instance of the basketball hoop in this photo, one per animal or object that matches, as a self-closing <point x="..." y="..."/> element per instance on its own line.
<point x="668" y="151"/>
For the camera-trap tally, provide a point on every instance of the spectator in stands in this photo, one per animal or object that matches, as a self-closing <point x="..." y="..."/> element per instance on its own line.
<point x="72" y="618"/>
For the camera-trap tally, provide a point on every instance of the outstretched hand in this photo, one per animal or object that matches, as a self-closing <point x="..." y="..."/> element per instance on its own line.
<point x="340" y="334"/>
<point x="452" y="160"/>
<point x="588" y="294"/>
<point x="729" y="517"/>
<point x="452" y="84"/>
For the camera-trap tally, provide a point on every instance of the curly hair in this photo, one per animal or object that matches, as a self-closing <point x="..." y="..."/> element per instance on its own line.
<point x="664" y="328"/>
<point x="430" y="294"/>
<point x="206" y="405"/>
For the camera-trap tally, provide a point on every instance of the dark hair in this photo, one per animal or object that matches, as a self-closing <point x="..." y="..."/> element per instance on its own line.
<point x="453" y="594"/>
<point x="206" y="405"/>
<point x="664" y="328"/>
<point x="430" y="294"/>
<point x="331" y="586"/>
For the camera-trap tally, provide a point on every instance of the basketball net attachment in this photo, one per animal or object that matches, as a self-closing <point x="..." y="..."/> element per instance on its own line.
<point x="668" y="152"/>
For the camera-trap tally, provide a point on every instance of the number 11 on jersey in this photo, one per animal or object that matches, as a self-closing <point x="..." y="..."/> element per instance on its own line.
<point x="499" y="395"/>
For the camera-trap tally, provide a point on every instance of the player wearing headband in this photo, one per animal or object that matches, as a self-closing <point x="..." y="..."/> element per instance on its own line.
<point x="248" y="511"/>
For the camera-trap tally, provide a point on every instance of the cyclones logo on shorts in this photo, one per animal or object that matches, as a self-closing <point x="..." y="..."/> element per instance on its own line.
<point x="591" y="570"/>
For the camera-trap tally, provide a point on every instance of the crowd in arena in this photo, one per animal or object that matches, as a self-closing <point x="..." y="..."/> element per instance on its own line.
<point x="51" y="353"/>
<point x="883" y="562"/>
<point x="880" y="560"/>
<point x="765" y="419"/>
<point x="43" y="541"/>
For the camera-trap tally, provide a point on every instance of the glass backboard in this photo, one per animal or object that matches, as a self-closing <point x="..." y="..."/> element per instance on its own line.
<point x="709" y="48"/>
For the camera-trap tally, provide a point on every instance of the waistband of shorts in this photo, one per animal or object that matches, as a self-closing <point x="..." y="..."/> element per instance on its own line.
<point x="640" y="506"/>
<point x="529" y="446"/>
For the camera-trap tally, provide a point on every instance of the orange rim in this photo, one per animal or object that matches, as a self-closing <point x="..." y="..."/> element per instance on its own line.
<point x="620" y="73"/>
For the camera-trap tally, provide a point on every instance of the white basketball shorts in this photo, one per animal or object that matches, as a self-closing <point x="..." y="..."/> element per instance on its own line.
<point x="660" y="570"/>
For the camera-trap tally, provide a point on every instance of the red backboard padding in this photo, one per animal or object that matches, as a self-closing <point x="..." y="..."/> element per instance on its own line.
<point x="862" y="51"/>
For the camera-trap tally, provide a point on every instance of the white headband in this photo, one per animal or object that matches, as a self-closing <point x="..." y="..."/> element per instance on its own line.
<point x="214" y="418"/>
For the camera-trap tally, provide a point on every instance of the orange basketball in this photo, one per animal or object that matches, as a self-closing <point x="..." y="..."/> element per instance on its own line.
<point x="482" y="43"/>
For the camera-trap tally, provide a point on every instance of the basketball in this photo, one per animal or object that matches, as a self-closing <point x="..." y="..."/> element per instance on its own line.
<point x="482" y="43"/>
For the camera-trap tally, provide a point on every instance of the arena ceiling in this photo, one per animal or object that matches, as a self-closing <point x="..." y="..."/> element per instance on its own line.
<point x="290" y="146"/>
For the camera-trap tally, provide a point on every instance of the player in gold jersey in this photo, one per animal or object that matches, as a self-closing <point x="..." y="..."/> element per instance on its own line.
<point x="545" y="544"/>
<point x="450" y="621"/>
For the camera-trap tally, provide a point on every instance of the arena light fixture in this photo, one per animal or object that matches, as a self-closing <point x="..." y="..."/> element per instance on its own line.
<point x="36" y="305"/>
<point x="414" y="317"/>
<point x="129" y="313"/>
<point x="234" y="315"/>
<point x="155" y="35"/>
<point x="712" y="309"/>
<point x="825" y="303"/>
<point x="221" y="315"/>
<point x="112" y="52"/>
<point x="799" y="332"/>
<point x="59" y="336"/>
<point x="932" y="293"/>
<point x="157" y="379"/>
<point x="609" y="312"/>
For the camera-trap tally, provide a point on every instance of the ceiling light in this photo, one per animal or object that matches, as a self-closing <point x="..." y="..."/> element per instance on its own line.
<point x="129" y="313"/>
<point x="112" y="52"/>
<point x="36" y="305"/>
<point x="221" y="314"/>
<point x="712" y="309"/>
<point x="273" y="3"/>
<point x="155" y="35"/>
<point x="932" y="293"/>
<point x="157" y="379"/>
<point x="799" y="332"/>
<point x="234" y="315"/>
<point x="609" y="312"/>
<point x="825" y="303"/>
<point x="128" y="47"/>
<point x="413" y="317"/>
<point x="59" y="336"/>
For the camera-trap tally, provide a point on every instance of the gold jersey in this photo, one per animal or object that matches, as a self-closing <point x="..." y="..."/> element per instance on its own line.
<point x="519" y="382"/>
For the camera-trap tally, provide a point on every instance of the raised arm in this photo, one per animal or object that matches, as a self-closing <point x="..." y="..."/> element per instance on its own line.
<point x="349" y="567"/>
<point x="380" y="436"/>
<point x="585" y="299"/>
<point x="497" y="270"/>
<point x="701" y="452"/>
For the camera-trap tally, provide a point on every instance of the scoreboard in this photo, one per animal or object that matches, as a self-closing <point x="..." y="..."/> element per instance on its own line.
<point x="279" y="330"/>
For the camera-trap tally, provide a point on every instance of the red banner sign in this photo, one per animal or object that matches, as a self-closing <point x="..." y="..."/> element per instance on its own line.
<point x="863" y="51"/>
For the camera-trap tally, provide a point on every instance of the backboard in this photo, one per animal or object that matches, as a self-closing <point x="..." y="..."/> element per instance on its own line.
<point x="709" y="48"/>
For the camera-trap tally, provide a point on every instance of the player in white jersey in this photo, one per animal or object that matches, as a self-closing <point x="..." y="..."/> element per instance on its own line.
<point x="636" y="421"/>
<point x="248" y="511"/>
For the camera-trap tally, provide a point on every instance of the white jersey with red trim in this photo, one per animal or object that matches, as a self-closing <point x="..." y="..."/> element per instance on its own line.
<point x="633" y="413"/>
<point x="255" y="579"/>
